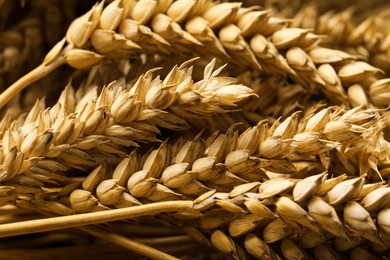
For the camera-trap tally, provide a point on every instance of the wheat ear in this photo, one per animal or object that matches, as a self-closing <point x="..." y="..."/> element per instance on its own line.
<point x="318" y="209"/>
<point x="114" y="120"/>
<point x="237" y="193"/>
<point x="331" y="139"/>
<point x="121" y="29"/>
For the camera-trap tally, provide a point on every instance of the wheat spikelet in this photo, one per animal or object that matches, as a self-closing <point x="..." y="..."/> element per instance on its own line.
<point x="331" y="140"/>
<point x="367" y="38"/>
<point x="277" y="98"/>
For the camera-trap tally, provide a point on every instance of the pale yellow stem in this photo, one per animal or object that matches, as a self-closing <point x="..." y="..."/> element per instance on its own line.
<point x="42" y="225"/>
<point x="34" y="75"/>
<point x="127" y="243"/>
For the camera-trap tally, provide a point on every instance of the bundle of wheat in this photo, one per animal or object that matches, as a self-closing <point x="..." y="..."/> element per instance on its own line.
<point x="300" y="172"/>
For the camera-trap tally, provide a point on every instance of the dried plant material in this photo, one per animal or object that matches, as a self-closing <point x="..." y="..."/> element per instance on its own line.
<point x="378" y="91"/>
<point x="288" y="37"/>
<point x="307" y="187"/>
<point x="271" y="188"/>
<point x="81" y="28"/>
<point x="54" y="52"/>
<point x="222" y="242"/>
<point x="356" y="71"/>
<point x="359" y="253"/>
<point x="360" y="220"/>
<point x="258" y="209"/>
<point x="342" y="244"/>
<point x="112" y="15"/>
<point x="81" y="59"/>
<point x="106" y="122"/>
<point x="288" y="209"/>
<point x="276" y="230"/>
<point x="245" y="224"/>
<point x="377" y="199"/>
<point x="84" y="201"/>
<point x="307" y="177"/>
<point x="364" y="37"/>
<point x="309" y="238"/>
<point x="291" y="250"/>
<point x="357" y="95"/>
<point x="326" y="252"/>
<point x="383" y="220"/>
<point x="8" y="194"/>
<point x="258" y="248"/>
<point x="325" y="55"/>
<point x="241" y="210"/>
<point x="328" y="184"/>
<point x="224" y="36"/>
<point x="345" y="190"/>
<point x="326" y="215"/>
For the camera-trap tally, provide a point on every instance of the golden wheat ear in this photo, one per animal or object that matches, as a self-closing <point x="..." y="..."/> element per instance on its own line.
<point x="117" y="118"/>
<point x="242" y="182"/>
<point x="295" y="146"/>
<point x="243" y="36"/>
<point x="297" y="215"/>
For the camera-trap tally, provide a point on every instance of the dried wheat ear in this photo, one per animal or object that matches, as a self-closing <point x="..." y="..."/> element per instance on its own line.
<point x="121" y="116"/>
<point x="248" y="37"/>
<point x="263" y="189"/>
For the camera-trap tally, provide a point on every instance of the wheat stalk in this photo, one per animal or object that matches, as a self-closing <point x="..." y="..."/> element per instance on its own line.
<point x="26" y="38"/>
<point x="135" y="246"/>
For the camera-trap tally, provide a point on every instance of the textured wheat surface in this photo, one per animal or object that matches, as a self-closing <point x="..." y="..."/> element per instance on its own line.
<point x="195" y="129"/>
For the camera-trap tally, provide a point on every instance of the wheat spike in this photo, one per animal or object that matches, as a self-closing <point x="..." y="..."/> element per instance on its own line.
<point x="317" y="219"/>
<point x="177" y="171"/>
<point x="116" y="118"/>
<point x="222" y="161"/>
<point x="271" y="45"/>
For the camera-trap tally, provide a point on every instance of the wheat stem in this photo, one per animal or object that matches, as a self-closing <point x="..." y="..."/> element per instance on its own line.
<point x="31" y="77"/>
<point x="128" y="243"/>
<point x="183" y="239"/>
<point x="42" y="225"/>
